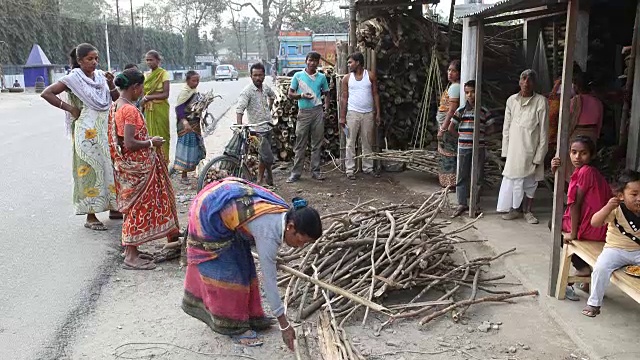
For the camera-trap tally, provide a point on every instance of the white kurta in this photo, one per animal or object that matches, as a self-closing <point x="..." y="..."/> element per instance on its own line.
<point x="524" y="144"/>
<point x="525" y="136"/>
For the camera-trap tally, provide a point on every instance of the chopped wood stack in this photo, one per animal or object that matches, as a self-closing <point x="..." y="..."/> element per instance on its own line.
<point x="372" y="250"/>
<point x="285" y="111"/>
<point x="403" y="44"/>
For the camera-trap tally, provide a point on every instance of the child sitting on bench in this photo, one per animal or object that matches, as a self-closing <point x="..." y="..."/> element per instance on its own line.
<point x="622" y="216"/>
<point x="588" y="193"/>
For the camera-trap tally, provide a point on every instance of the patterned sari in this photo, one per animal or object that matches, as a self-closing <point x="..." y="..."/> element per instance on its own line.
<point x="156" y="112"/>
<point x="221" y="286"/>
<point x="94" y="190"/>
<point x="447" y="147"/>
<point x="145" y="193"/>
<point x="190" y="148"/>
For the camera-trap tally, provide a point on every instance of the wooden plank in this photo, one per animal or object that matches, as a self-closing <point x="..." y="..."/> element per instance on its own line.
<point x="633" y="146"/>
<point x="563" y="146"/>
<point x="543" y="11"/>
<point x="475" y="166"/>
<point x="589" y="252"/>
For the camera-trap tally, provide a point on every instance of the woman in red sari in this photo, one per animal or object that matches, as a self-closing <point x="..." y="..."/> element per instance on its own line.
<point x="145" y="194"/>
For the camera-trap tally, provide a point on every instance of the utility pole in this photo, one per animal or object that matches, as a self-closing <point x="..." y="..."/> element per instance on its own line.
<point x="106" y="38"/>
<point x="118" y="13"/>
<point x="246" y="52"/>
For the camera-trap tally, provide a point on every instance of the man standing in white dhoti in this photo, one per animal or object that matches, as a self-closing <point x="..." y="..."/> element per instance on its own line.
<point x="524" y="144"/>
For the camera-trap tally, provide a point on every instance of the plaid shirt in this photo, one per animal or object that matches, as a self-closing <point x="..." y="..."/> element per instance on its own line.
<point x="256" y="103"/>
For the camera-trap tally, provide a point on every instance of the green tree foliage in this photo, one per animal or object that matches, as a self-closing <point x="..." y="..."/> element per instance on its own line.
<point x="83" y="9"/>
<point x="27" y="22"/>
<point x="319" y="23"/>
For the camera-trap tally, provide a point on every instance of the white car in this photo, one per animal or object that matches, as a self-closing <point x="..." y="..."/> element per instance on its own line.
<point x="224" y="72"/>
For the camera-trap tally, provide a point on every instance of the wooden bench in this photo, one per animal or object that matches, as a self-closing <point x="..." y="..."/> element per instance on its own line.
<point x="589" y="251"/>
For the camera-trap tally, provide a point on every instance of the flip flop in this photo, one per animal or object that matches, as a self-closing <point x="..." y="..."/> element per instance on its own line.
<point x="96" y="226"/>
<point x="144" y="266"/>
<point x="591" y="311"/>
<point x="252" y="336"/>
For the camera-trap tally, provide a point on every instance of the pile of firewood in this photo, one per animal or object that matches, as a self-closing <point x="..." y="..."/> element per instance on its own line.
<point x="427" y="161"/>
<point x="285" y="113"/>
<point x="404" y="45"/>
<point x="370" y="251"/>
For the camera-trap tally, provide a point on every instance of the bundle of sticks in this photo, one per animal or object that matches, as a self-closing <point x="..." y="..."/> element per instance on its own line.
<point x="285" y="115"/>
<point x="370" y="251"/>
<point x="427" y="161"/>
<point x="198" y="108"/>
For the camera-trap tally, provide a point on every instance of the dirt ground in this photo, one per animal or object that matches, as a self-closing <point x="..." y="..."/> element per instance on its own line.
<point x="138" y="315"/>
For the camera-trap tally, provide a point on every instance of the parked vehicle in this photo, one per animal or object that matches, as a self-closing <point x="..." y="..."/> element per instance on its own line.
<point x="224" y="72"/>
<point x="295" y="45"/>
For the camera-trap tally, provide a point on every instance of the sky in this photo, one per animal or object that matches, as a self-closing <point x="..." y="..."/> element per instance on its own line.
<point x="442" y="7"/>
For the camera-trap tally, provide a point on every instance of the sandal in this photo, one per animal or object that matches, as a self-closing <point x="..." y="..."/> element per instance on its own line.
<point x="254" y="341"/>
<point x="591" y="311"/>
<point x="96" y="226"/>
<point x="459" y="211"/>
<point x="144" y="266"/>
<point x="351" y="177"/>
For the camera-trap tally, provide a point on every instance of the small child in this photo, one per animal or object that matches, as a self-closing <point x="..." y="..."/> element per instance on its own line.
<point x="462" y="126"/>
<point x="588" y="193"/>
<point x="622" y="214"/>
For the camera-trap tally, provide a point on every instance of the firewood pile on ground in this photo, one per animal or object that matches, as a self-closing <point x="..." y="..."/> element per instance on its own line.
<point x="368" y="253"/>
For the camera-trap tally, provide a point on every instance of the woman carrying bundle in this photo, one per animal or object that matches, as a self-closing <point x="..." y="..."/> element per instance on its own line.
<point x="221" y="286"/>
<point x="190" y="147"/>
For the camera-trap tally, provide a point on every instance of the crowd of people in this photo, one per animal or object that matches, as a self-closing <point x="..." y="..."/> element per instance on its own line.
<point x="595" y="210"/>
<point x="121" y="134"/>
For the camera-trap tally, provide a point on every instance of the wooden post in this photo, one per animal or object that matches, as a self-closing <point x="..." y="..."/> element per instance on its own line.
<point x="352" y="26"/>
<point x="633" y="146"/>
<point x="475" y="165"/>
<point x="563" y="145"/>
<point x="622" y="131"/>
<point x="341" y="67"/>
<point x="469" y="53"/>
<point x="554" y="57"/>
<point x="450" y="31"/>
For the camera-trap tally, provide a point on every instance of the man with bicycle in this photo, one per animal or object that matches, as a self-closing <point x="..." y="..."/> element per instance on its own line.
<point x="257" y="100"/>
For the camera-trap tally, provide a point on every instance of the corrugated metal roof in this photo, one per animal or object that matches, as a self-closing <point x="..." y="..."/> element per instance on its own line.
<point x="506" y="6"/>
<point x="392" y="3"/>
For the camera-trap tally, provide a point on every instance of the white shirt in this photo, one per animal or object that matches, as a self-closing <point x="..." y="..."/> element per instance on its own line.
<point x="525" y="136"/>
<point x="360" y="96"/>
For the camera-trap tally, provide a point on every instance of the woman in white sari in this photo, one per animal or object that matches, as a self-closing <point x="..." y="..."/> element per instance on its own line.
<point x="90" y="93"/>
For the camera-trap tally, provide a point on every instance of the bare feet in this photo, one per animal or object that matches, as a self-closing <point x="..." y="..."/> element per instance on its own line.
<point x="132" y="260"/>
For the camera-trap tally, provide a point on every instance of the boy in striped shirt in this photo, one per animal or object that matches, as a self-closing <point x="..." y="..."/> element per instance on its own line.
<point x="462" y="126"/>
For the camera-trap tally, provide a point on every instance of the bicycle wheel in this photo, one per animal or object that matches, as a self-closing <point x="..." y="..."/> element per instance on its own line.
<point x="230" y="164"/>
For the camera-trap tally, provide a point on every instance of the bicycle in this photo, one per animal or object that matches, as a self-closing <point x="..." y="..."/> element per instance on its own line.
<point x="234" y="165"/>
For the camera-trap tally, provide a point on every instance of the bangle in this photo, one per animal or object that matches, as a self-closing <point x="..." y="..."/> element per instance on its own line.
<point x="114" y="89"/>
<point x="61" y="102"/>
<point x="150" y="143"/>
<point x="286" y="327"/>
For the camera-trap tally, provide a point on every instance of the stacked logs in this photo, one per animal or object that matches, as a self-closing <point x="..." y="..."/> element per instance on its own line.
<point x="370" y="251"/>
<point x="285" y="115"/>
<point x="404" y="45"/>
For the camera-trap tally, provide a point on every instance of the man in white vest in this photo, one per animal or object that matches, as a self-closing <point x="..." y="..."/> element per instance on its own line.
<point x="359" y="108"/>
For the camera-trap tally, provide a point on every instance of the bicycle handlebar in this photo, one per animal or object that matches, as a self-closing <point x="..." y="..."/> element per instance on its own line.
<point x="240" y="126"/>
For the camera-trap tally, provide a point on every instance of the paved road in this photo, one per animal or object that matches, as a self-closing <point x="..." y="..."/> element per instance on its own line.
<point x="52" y="269"/>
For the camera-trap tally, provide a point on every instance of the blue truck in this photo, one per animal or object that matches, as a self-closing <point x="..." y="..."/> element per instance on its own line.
<point x="295" y="45"/>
